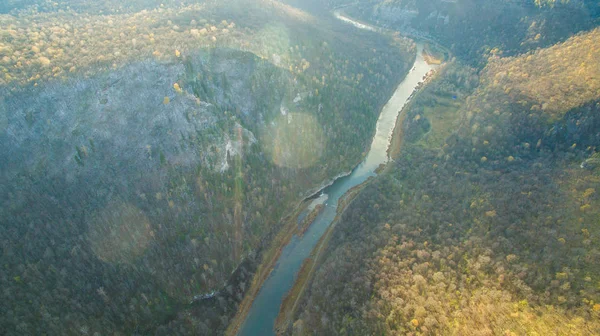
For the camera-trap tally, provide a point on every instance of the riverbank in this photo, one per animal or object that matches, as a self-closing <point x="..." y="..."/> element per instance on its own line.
<point x="432" y="55"/>
<point x="303" y="226"/>
<point x="290" y="302"/>
<point x="410" y="33"/>
<point x="272" y="254"/>
<point x="264" y="269"/>
<point x="398" y="134"/>
<point x="283" y="282"/>
<point x="284" y="236"/>
<point x="282" y="239"/>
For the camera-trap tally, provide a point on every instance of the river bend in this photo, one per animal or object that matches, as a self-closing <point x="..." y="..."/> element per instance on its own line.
<point x="265" y="308"/>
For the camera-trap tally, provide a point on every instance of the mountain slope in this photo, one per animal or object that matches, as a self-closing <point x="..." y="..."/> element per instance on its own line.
<point x="493" y="231"/>
<point x="473" y="29"/>
<point x="146" y="155"/>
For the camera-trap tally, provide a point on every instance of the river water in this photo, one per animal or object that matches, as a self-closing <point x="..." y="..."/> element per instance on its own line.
<point x="265" y="308"/>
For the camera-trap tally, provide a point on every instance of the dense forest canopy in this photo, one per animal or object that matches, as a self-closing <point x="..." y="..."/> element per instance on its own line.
<point x="471" y="29"/>
<point x="150" y="152"/>
<point x="487" y="222"/>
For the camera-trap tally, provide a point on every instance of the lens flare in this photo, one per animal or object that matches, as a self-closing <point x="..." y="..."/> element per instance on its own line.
<point x="274" y="40"/>
<point x="119" y="233"/>
<point x="295" y="141"/>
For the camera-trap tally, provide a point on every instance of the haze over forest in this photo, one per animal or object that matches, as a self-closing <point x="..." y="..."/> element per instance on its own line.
<point x="157" y="157"/>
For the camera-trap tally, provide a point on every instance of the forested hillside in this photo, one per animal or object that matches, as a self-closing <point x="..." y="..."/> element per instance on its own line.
<point x="558" y="78"/>
<point x="486" y="224"/>
<point x="148" y="149"/>
<point x="475" y="29"/>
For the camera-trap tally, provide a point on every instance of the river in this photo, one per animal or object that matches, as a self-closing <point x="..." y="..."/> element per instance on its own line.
<point x="265" y="308"/>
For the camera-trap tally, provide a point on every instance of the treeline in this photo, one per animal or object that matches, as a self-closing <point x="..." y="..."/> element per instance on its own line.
<point x="130" y="191"/>
<point x="435" y="248"/>
<point x="558" y="78"/>
<point x="491" y="231"/>
<point x="474" y="30"/>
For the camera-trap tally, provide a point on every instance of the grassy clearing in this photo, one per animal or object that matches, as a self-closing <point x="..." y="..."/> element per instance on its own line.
<point x="433" y="54"/>
<point x="442" y="116"/>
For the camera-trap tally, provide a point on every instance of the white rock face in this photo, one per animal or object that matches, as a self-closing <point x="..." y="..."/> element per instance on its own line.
<point x="298" y="98"/>
<point x="231" y="147"/>
<point x="276" y="59"/>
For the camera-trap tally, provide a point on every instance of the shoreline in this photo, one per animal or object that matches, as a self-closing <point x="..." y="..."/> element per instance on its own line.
<point x="397" y="140"/>
<point x="273" y="252"/>
<point x="308" y="220"/>
<point x="288" y="232"/>
<point x="290" y="302"/>
<point x="283" y="237"/>
<point x="305" y="274"/>
<point x="264" y="269"/>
